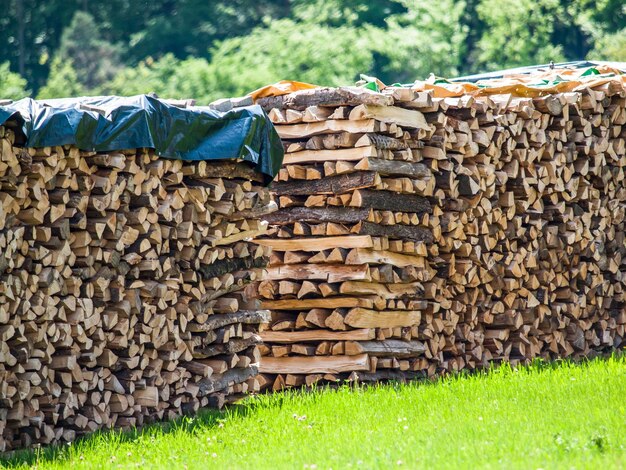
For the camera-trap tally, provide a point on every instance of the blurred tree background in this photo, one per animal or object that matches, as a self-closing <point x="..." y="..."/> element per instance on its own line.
<point x="208" y="49"/>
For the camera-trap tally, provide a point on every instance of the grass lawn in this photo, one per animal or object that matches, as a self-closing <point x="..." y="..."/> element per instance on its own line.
<point x="557" y="416"/>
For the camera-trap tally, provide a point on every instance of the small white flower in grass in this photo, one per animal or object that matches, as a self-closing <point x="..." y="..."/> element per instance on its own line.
<point x="399" y="462"/>
<point x="480" y="418"/>
<point x="213" y="455"/>
<point x="406" y="427"/>
<point x="129" y="454"/>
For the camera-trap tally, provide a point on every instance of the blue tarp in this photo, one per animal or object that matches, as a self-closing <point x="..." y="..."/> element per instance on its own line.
<point x="114" y="123"/>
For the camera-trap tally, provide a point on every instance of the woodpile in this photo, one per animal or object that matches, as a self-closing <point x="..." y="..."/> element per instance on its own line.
<point x="122" y="288"/>
<point x="421" y="232"/>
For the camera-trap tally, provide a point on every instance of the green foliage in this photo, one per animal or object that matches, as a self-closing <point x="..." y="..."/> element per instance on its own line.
<point x="168" y="77"/>
<point x="308" y="51"/>
<point x="96" y="60"/>
<point x="283" y="50"/>
<point x="12" y="85"/>
<point x="314" y="40"/>
<point x="347" y="12"/>
<point x="406" y="39"/>
<point x="63" y="81"/>
<point x="291" y="50"/>
<point x="544" y="416"/>
<point x="189" y="27"/>
<point x="429" y="38"/>
<point x="607" y="15"/>
<point x="30" y="31"/>
<point x="610" y="47"/>
<point x="518" y="33"/>
<point x="148" y="76"/>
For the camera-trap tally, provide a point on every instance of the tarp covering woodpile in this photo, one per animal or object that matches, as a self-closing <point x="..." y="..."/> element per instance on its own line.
<point x="442" y="226"/>
<point x="173" y="131"/>
<point x="122" y="273"/>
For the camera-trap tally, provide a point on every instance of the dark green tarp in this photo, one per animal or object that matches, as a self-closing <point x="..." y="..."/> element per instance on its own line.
<point x="113" y="123"/>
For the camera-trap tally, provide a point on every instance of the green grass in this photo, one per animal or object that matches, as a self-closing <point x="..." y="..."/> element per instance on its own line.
<point x="543" y="416"/>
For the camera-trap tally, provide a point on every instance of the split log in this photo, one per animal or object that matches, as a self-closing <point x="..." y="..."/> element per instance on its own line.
<point x="314" y="365"/>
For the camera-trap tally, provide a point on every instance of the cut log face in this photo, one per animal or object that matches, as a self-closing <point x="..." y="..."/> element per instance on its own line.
<point x="457" y="230"/>
<point x="125" y="285"/>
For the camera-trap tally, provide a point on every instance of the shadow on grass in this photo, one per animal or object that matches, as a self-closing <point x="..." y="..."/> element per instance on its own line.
<point x="207" y="418"/>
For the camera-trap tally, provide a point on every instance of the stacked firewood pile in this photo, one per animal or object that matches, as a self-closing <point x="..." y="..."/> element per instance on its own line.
<point x="420" y="233"/>
<point x="122" y="280"/>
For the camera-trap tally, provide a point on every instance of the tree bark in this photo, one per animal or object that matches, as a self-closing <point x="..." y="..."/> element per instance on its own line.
<point x="332" y="185"/>
<point x="309" y="214"/>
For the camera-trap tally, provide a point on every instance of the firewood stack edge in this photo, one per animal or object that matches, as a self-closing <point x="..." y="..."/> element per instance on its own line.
<point x="430" y="229"/>
<point x="122" y="287"/>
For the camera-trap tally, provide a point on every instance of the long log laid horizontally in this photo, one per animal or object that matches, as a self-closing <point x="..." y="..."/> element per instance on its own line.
<point x="312" y="365"/>
<point x="394" y="167"/>
<point x="390" y="347"/>
<point x="338" y="215"/>
<point x="316" y="335"/>
<point x="333" y="185"/>
<point x="329" y="97"/>
<point x="407" y="232"/>
<point x="390" y="202"/>
<point x="317" y="244"/>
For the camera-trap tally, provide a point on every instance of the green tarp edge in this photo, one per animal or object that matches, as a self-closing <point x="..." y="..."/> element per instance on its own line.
<point x="113" y="123"/>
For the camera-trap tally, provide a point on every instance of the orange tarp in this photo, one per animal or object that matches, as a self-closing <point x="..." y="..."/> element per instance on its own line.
<point x="522" y="85"/>
<point x="284" y="87"/>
